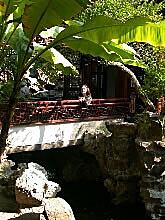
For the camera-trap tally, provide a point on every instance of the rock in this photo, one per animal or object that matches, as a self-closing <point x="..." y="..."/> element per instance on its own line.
<point x="57" y="208"/>
<point x="51" y="189"/>
<point x="5" y="171"/>
<point x="8" y="216"/>
<point x="33" y="213"/>
<point x="152" y="184"/>
<point x="7" y="181"/>
<point x="32" y="189"/>
<point x="32" y="186"/>
<point x="122" y="129"/>
<point x="51" y="209"/>
<point x="117" y="157"/>
<point x="149" y="129"/>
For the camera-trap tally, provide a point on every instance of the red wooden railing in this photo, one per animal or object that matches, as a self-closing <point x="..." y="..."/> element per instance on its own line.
<point x="66" y="111"/>
<point x="160" y="105"/>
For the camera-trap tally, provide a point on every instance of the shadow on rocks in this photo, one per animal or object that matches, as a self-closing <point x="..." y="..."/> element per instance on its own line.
<point x="27" y="216"/>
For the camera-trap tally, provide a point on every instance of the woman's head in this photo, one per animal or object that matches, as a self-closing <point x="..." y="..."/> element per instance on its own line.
<point x="85" y="90"/>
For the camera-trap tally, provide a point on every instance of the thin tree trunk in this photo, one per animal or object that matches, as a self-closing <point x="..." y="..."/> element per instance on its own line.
<point x="8" y="117"/>
<point x="136" y="83"/>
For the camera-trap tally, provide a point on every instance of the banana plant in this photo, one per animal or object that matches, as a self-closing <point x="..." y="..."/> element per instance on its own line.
<point x="22" y="20"/>
<point x="106" y="38"/>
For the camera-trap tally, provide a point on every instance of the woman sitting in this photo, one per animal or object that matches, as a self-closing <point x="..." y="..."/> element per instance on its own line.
<point x="85" y="97"/>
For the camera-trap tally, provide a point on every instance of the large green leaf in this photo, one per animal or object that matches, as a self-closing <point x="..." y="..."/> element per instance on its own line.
<point x="92" y="48"/>
<point x="56" y="59"/>
<point x="19" y="42"/>
<point x="97" y="31"/>
<point x="135" y="62"/>
<point x="20" y="9"/>
<point x="43" y="14"/>
<point x="127" y="54"/>
<point x="119" y="49"/>
<point x="8" y="6"/>
<point x="10" y="17"/>
<point x="74" y="22"/>
<point x="102" y="29"/>
<point x="108" y="50"/>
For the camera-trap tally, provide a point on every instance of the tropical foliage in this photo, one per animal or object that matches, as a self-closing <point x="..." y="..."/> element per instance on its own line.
<point x="124" y="10"/>
<point x="20" y="17"/>
<point x="153" y="57"/>
<point x="154" y="78"/>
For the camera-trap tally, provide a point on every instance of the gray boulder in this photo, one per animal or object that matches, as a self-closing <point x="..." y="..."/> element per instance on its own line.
<point x="57" y="208"/>
<point x="32" y="186"/>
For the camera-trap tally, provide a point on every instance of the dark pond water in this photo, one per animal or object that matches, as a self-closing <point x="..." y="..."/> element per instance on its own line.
<point x="89" y="199"/>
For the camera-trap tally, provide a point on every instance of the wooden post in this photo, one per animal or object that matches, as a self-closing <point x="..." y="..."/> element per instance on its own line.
<point x="160" y="105"/>
<point x="133" y="103"/>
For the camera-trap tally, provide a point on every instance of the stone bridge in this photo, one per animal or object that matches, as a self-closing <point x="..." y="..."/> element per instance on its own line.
<point x="51" y="124"/>
<point x="47" y="136"/>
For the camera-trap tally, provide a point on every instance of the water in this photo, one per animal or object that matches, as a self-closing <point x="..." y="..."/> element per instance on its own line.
<point x="91" y="201"/>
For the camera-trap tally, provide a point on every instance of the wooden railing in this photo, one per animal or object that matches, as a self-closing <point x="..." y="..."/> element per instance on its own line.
<point x="66" y="111"/>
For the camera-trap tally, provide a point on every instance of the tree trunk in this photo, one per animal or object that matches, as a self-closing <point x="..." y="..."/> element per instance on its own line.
<point x="8" y="117"/>
<point x="138" y="87"/>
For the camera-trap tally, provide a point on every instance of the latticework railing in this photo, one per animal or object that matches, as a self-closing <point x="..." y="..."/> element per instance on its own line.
<point x="66" y="111"/>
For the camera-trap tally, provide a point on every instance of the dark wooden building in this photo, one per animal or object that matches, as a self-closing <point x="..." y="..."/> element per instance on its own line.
<point x="104" y="81"/>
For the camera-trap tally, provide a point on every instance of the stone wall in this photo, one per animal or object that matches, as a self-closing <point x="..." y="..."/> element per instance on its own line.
<point x="114" y="148"/>
<point x="132" y="164"/>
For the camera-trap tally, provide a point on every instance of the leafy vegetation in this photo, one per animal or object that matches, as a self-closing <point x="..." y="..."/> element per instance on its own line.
<point x="154" y="77"/>
<point x="124" y="10"/>
<point x="153" y="57"/>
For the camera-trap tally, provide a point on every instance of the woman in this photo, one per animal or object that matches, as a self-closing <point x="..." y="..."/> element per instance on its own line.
<point x="85" y="98"/>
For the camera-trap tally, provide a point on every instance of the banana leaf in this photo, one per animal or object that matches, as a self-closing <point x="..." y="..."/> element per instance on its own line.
<point x="102" y="29"/>
<point x="42" y="14"/>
